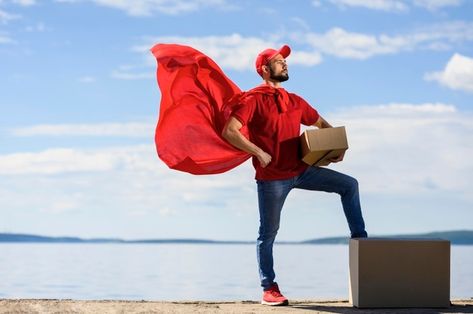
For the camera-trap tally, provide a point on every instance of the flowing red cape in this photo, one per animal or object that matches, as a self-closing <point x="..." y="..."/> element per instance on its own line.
<point x="196" y="101"/>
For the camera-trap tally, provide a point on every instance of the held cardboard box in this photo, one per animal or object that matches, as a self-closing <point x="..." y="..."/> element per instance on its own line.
<point x="319" y="145"/>
<point x="399" y="273"/>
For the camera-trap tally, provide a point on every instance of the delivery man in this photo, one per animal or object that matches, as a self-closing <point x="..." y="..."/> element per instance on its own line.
<point x="273" y="117"/>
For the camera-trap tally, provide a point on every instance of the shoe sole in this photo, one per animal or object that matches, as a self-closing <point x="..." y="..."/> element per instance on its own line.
<point x="286" y="302"/>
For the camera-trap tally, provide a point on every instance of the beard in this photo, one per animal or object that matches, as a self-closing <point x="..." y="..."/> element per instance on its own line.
<point x="281" y="77"/>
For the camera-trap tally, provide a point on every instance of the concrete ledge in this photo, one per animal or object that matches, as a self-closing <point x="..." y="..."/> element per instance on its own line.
<point x="297" y="306"/>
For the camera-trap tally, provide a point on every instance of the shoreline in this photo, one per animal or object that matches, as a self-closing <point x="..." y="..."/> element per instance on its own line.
<point x="189" y="306"/>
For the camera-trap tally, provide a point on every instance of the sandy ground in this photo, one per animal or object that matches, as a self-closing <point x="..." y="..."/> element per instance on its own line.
<point x="102" y="307"/>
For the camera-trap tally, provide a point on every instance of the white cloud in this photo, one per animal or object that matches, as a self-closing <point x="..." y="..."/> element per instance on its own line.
<point x="345" y="44"/>
<point x="60" y="206"/>
<point x="137" y="72"/>
<point x="70" y="160"/>
<point x="238" y="52"/>
<point x="87" y="79"/>
<point x="121" y="75"/>
<point x="301" y="23"/>
<point x="384" y="5"/>
<point x="130" y="129"/>
<point x="394" y="148"/>
<point x="5" y="39"/>
<point x="407" y="109"/>
<point x="233" y="51"/>
<point x="392" y="5"/>
<point x="150" y="7"/>
<point x="403" y="151"/>
<point x="409" y="149"/>
<point x="433" y="5"/>
<point x="53" y="161"/>
<point x="448" y="32"/>
<point x="25" y="3"/>
<point x="308" y="58"/>
<point x="129" y="180"/>
<point x="39" y="27"/>
<point x="6" y="17"/>
<point x="458" y="74"/>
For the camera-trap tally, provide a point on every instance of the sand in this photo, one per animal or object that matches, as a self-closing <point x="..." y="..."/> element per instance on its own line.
<point x="105" y="306"/>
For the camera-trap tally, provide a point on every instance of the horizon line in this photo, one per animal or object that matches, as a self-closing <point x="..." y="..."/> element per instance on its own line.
<point x="334" y="239"/>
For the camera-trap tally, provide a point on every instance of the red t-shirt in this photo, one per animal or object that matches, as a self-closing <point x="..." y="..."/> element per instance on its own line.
<point x="273" y="117"/>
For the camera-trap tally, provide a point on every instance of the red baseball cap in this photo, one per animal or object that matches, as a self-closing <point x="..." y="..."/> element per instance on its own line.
<point x="267" y="54"/>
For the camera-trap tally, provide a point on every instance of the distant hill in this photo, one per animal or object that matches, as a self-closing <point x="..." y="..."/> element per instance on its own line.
<point x="31" y="238"/>
<point x="460" y="237"/>
<point x="17" y="237"/>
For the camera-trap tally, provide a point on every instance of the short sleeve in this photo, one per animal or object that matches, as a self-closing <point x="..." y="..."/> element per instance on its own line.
<point x="245" y="109"/>
<point x="309" y="114"/>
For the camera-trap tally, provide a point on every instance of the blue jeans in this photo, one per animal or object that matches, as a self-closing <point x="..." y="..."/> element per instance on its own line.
<point x="273" y="193"/>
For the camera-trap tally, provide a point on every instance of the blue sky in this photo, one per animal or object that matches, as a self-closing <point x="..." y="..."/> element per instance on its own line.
<point x="79" y="102"/>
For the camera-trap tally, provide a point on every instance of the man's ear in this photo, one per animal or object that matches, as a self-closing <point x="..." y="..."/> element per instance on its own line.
<point x="265" y="69"/>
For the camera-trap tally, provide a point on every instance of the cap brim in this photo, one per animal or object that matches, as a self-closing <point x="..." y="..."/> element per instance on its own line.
<point x="284" y="51"/>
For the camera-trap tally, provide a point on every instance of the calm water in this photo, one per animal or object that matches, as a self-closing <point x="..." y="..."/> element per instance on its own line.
<point x="191" y="272"/>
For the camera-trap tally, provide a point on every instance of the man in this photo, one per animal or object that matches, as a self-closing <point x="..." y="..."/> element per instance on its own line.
<point x="273" y="118"/>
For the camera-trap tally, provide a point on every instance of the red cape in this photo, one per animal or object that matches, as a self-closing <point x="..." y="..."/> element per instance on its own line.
<point x="196" y="100"/>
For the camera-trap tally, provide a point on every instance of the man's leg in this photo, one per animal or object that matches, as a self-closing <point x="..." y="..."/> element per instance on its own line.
<point x="271" y="197"/>
<point x="327" y="180"/>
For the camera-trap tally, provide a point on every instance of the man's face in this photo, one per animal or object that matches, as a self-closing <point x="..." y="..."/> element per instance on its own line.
<point x="278" y="69"/>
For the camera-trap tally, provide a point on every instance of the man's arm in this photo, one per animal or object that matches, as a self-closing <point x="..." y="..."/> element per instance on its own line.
<point x="322" y="124"/>
<point x="231" y="132"/>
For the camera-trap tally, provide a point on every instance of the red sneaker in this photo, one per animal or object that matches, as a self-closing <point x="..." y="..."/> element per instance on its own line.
<point x="273" y="296"/>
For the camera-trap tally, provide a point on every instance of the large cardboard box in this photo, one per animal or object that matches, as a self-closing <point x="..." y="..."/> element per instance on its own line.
<point x="399" y="273"/>
<point x="319" y="145"/>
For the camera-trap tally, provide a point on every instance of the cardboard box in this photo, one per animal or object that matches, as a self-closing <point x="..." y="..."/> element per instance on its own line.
<point x="399" y="273"/>
<point x="320" y="145"/>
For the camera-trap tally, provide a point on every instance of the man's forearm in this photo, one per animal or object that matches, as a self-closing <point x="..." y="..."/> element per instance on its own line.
<point x="231" y="132"/>
<point x="235" y="138"/>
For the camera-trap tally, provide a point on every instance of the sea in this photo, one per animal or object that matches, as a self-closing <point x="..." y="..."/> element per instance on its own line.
<point x="177" y="272"/>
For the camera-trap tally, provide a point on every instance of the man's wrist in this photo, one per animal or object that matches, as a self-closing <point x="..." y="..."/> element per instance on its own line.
<point x="258" y="151"/>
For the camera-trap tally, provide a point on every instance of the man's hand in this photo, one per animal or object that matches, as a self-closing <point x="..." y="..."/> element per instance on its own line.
<point x="264" y="158"/>
<point x="338" y="158"/>
<point x="322" y="123"/>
